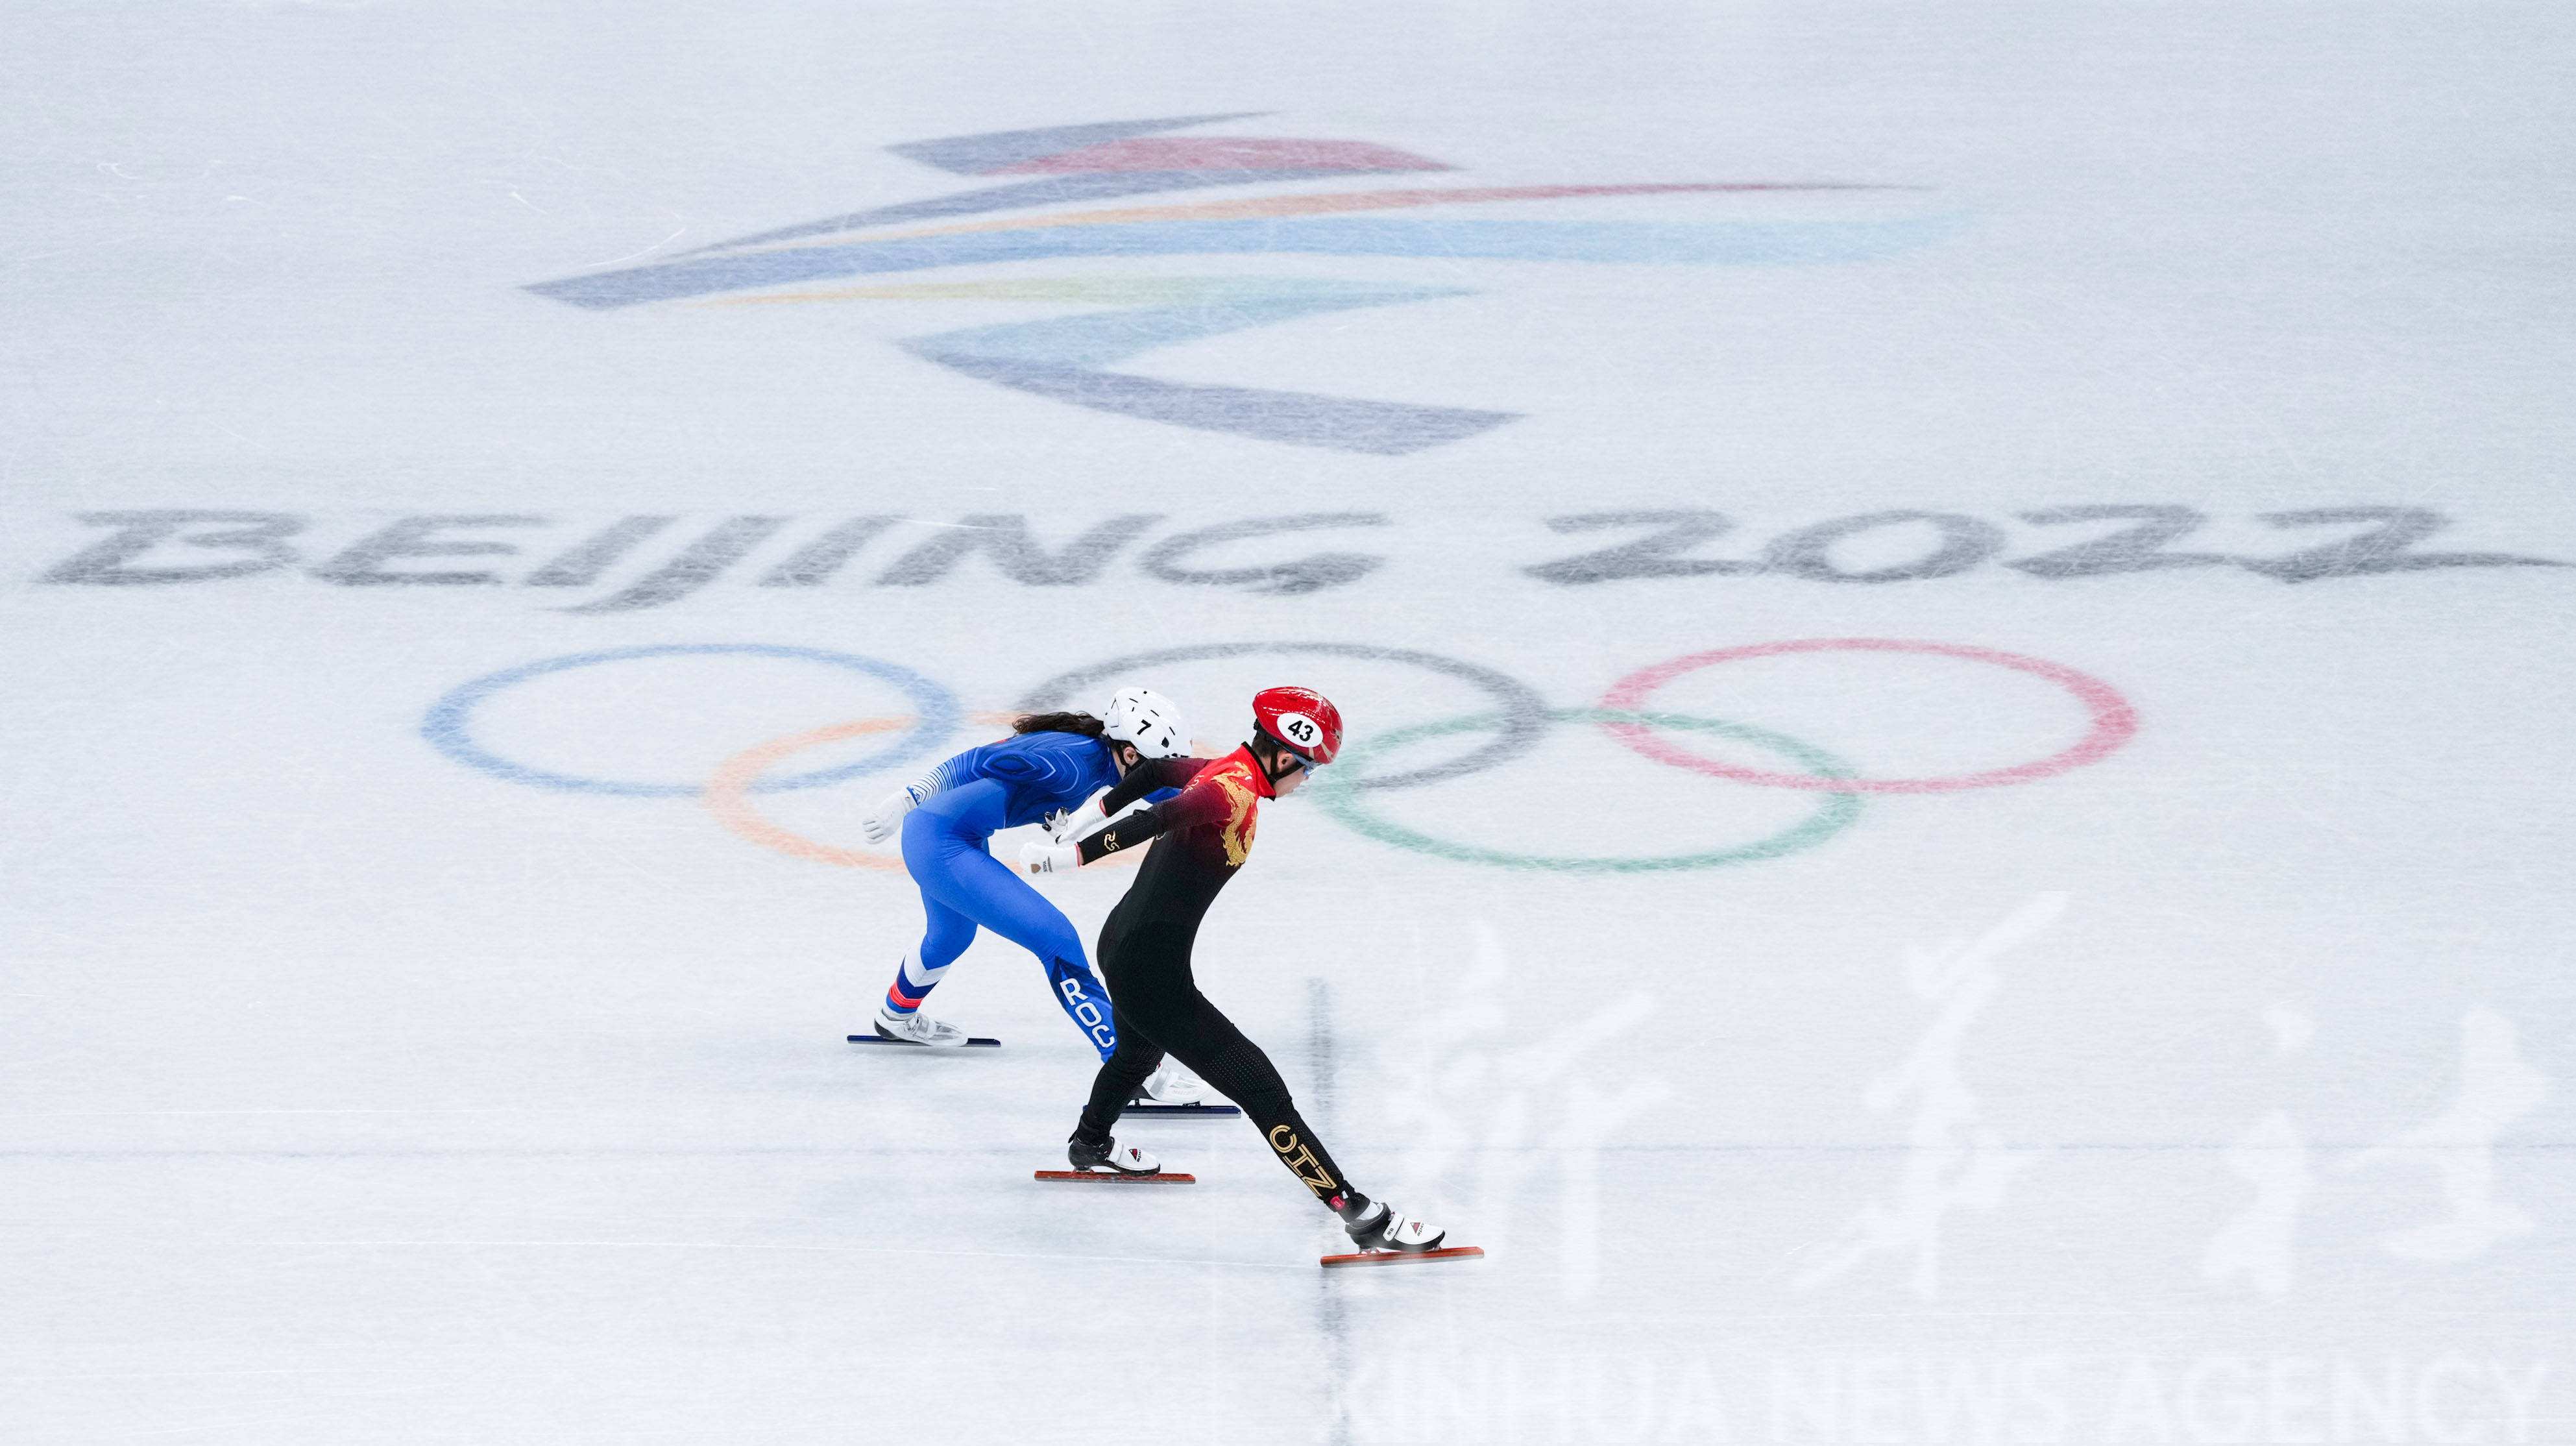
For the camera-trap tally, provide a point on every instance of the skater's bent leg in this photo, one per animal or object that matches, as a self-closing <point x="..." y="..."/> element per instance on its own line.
<point x="929" y="855"/>
<point x="1159" y="1004"/>
<point x="946" y="936"/>
<point x="977" y="885"/>
<point x="1236" y="1067"/>
<point x="1120" y="1076"/>
<point x="1246" y="1076"/>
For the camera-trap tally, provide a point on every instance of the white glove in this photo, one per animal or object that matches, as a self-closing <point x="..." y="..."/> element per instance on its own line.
<point x="881" y="825"/>
<point x="1066" y="825"/>
<point x="1049" y="858"/>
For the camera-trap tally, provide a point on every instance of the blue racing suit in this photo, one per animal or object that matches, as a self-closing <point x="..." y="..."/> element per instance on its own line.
<point x="963" y="802"/>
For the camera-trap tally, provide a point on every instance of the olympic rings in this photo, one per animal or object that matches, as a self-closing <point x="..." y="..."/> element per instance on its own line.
<point x="727" y="795"/>
<point x="1523" y="719"/>
<point x="446" y="730"/>
<point x="2114" y="720"/>
<point x="1834" y="813"/>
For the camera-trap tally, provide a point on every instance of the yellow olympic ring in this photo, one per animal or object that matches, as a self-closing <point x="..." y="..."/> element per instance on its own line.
<point x="728" y="795"/>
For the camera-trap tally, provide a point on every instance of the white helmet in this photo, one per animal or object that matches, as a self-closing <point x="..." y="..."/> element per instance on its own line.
<point x="1148" y="720"/>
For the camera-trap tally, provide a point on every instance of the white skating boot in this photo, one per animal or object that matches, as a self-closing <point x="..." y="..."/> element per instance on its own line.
<point x="918" y="1028"/>
<point x="1377" y="1227"/>
<point x="1171" y="1083"/>
<point x="1110" y="1158"/>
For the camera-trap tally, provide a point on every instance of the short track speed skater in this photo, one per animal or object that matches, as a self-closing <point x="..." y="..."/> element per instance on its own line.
<point x="1207" y="826"/>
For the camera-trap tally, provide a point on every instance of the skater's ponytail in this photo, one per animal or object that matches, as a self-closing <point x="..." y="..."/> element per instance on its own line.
<point x="1082" y="723"/>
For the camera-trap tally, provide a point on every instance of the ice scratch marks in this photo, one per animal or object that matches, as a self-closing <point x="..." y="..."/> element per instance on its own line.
<point x="832" y="1248"/>
<point x="634" y="255"/>
<point x="1332" y="1311"/>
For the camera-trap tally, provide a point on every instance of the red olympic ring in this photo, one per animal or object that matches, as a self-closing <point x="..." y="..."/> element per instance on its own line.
<point x="2114" y="720"/>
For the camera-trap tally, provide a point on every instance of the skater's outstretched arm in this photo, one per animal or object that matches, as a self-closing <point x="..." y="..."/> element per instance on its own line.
<point x="1221" y="798"/>
<point x="1203" y="801"/>
<point x="1031" y="764"/>
<point x="1150" y="775"/>
<point x="961" y="768"/>
<point x="1145" y="776"/>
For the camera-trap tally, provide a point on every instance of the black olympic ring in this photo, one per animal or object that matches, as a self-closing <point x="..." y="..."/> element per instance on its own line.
<point x="1524" y="716"/>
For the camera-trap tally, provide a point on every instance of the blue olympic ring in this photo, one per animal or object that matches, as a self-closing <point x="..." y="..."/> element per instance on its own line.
<point x="935" y="709"/>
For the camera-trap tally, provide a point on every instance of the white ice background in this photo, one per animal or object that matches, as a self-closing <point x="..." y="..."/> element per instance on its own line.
<point x="2215" y="1090"/>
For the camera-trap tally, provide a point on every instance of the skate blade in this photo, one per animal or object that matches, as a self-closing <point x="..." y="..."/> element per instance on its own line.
<point x="1156" y="1107"/>
<point x="1114" y="1178"/>
<point x="1405" y="1257"/>
<point x="916" y="1044"/>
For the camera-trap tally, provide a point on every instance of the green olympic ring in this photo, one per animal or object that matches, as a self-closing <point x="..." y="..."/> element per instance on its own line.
<point x="1834" y="813"/>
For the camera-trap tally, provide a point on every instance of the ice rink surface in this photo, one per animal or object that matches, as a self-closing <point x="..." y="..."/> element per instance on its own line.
<point x="1955" y="621"/>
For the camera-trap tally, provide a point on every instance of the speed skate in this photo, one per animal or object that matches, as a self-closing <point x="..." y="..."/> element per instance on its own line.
<point x="1403" y="1257"/>
<point x="1172" y="1090"/>
<point x="1112" y="1161"/>
<point x="1158" y="1177"/>
<point x="1145" y="1105"/>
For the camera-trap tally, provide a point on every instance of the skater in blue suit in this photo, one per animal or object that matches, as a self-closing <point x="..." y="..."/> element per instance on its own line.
<point x="1049" y="767"/>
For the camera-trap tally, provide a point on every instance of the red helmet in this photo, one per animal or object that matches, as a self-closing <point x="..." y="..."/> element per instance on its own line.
<point x="1301" y="720"/>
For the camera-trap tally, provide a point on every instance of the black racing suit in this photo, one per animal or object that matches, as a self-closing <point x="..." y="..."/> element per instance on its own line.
<point x="1145" y="956"/>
